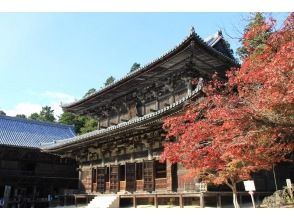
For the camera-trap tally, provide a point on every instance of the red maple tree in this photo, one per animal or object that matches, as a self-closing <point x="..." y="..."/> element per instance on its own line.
<point x="245" y="123"/>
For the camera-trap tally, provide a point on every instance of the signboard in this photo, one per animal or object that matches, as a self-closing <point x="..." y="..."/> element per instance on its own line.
<point x="201" y="187"/>
<point x="289" y="184"/>
<point x="249" y="185"/>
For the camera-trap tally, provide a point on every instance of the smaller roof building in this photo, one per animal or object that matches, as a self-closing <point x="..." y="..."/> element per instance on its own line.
<point x="31" y="173"/>
<point x="30" y="133"/>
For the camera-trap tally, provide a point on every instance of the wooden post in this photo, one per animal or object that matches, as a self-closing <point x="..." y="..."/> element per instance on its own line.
<point x="189" y="87"/>
<point x="65" y="201"/>
<point x="134" y="201"/>
<point x="155" y="201"/>
<point x="34" y="197"/>
<point x="76" y="202"/>
<point x="241" y="200"/>
<point x="219" y="200"/>
<point x="181" y="201"/>
<point x="257" y="199"/>
<point x="252" y="198"/>
<point x="202" y="202"/>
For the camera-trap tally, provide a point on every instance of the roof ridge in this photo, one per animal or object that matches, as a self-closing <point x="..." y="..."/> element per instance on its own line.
<point x="128" y="75"/>
<point x="27" y="120"/>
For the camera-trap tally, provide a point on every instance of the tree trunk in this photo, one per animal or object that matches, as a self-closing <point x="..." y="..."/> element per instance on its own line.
<point x="234" y="190"/>
<point x="235" y="198"/>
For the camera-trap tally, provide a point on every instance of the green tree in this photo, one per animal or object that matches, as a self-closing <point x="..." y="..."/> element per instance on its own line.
<point x="34" y="116"/>
<point x="47" y="114"/>
<point x="90" y="91"/>
<point x="2" y="112"/>
<point x="69" y="118"/>
<point x="89" y="125"/>
<point x="135" y="66"/>
<point x="21" y="116"/>
<point x="255" y="20"/>
<point x="109" y="80"/>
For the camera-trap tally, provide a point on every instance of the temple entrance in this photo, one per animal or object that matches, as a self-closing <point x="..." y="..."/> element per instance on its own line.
<point x="114" y="178"/>
<point x="148" y="175"/>
<point x="131" y="177"/>
<point x="101" y="179"/>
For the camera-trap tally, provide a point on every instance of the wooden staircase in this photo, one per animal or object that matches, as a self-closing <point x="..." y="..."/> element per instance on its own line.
<point x="104" y="201"/>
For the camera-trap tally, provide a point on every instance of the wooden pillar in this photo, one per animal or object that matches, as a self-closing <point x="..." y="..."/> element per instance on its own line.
<point x="202" y="202"/>
<point x="108" y="121"/>
<point x="170" y="86"/>
<point x="189" y="86"/>
<point x="149" y="146"/>
<point x="155" y="201"/>
<point x="157" y="104"/>
<point x="65" y="200"/>
<point x="134" y="201"/>
<point x="258" y="199"/>
<point x="181" y="201"/>
<point x="241" y="200"/>
<point x="219" y="200"/>
<point x="169" y="176"/>
<point x="156" y="95"/>
<point x="92" y="184"/>
<point x="80" y="178"/>
<point x="98" y="124"/>
<point x="144" y="107"/>
<point x="173" y="98"/>
<point x="118" y="112"/>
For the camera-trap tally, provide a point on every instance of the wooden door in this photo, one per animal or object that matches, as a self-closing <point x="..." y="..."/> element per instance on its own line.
<point x="148" y="172"/>
<point x="101" y="179"/>
<point x="114" y="178"/>
<point x="131" y="177"/>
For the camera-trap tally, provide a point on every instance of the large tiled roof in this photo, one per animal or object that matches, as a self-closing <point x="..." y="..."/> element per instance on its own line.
<point x="29" y="133"/>
<point x="208" y="44"/>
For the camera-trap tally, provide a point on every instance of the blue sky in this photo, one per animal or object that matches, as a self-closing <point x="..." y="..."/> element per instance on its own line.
<point x="48" y="58"/>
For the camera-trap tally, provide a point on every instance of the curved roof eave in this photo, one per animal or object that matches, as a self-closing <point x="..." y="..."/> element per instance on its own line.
<point x="192" y="36"/>
<point x="60" y="145"/>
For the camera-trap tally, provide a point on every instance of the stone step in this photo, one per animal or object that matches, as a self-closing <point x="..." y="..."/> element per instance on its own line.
<point x="104" y="201"/>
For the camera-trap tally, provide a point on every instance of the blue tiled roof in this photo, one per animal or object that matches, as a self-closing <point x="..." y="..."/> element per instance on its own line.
<point x="29" y="133"/>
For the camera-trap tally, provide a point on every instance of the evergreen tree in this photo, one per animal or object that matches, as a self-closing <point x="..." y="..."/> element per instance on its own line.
<point x="34" y="116"/>
<point x="109" y="80"/>
<point x="21" y="116"/>
<point x="249" y="44"/>
<point x="47" y="114"/>
<point x="2" y="112"/>
<point x="69" y="118"/>
<point x="89" y="125"/>
<point x="90" y="91"/>
<point x="135" y="66"/>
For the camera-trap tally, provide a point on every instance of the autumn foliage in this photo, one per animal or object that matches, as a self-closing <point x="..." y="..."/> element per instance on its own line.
<point x="245" y="123"/>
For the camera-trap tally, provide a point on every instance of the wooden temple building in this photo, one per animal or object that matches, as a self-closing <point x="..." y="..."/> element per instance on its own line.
<point x="27" y="174"/>
<point x="122" y="155"/>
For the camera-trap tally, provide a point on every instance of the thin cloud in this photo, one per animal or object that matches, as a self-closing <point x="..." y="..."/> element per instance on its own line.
<point x="25" y="108"/>
<point x="63" y="97"/>
<point x="53" y="99"/>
